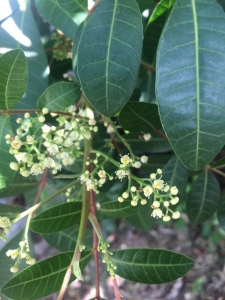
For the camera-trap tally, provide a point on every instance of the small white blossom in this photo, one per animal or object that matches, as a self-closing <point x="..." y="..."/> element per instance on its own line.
<point x="125" y="195"/>
<point x="102" y="174"/>
<point x="126" y="160"/>
<point x="82" y="113"/>
<point x="92" y="122"/>
<point x="144" y="159"/>
<point x="176" y="215"/>
<point x="36" y="169"/>
<point x="30" y="139"/>
<point x="156" y="204"/>
<point x="90" y="184"/>
<point x="147" y="191"/>
<point x="19" y="156"/>
<point x="45" y="110"/>
<point x="137" y="164"/>
<point x="14" y="269"/>
<point x="174" y="190"/>
<point x="120" y="199"/>
<point x="16" y="144"/>
<point x="48" y="162"/>
<point x="133" y="189"/>
<point x="4" y="222"/>
<point x="158" y="184"/>
<point x="174" y="201"/>
<point x="41" y="119"/>
<point x="45" y="128"/>
<point x="147" y="137"/>
<point x="110" y="129"/>
<point x="53" y="149"/>
<point x="166" y="218"/>
<point x="157" y="213"/>
<point x="71" y="109"/>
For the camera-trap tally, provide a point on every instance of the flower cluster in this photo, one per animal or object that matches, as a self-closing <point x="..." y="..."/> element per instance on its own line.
<point x="20" y="253"/>
<point x="162" y="195"/>
<point x="103" y="247"/>
<point x="60" y="144"/>
<point x="5" y="227"/>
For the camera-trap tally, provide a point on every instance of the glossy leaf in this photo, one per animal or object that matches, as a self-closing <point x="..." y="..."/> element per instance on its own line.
<point x="6" y="174"/>
<point x="56" y="16"/>
<point x="59" y="96"/>
<point x="20" y="31"/>
<point x="152" y="266"/>
<point x="203" y="198"/>
<point x="189" y="85"/>
<point x="175" y="174"/>
<point x="109" y="54"/>
<point x="146" y="117"/>
<point x="13" y="77"/>
<point x="57" y="218"/>
<point x="116" y="209"/>
<point x="73" y="6"/>
<point x="154" y="29"/>
<point x="66" y="239"/>
<point x="221" y="212"/>
<point x="47" y="274"/>
<point x="19" y="185"/>
<point x="142" y="220"/>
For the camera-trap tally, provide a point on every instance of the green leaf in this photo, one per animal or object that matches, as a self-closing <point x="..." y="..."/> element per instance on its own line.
<point x="175" y="174"/>
<point x="43" y="278"/>
<point x="66" y="239"/>
<point x="154" y="29"/>
<point x="142" y="220"/>
<point x="10" y="211"/>
<point x="116" y="209"/>
<point x="109" y="54"/>
<point x="221" y="212"/>
<point x="57" y="218"/>
<point x="6" y="174"/>
<point x="190" y="96"/>
<point x="203" y="198"/>
<point x="20" y="31"/>
<point x="146" y="117"/>
<point x="13" y="76"/>
<point x="152" y="266"/>
<point x="56" y="16"/>
<point x="59" y="96"/>
<point x="19" y="185"/>
<point x="73" y="6"/>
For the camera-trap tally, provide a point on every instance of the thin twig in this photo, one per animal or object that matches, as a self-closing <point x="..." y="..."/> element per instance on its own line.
<point x="41" y="187"/>
<point x="65" y="282"/>
<point x="217" y="171"/>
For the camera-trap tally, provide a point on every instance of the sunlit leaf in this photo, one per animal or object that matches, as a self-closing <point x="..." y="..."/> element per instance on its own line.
<point x="203" y="198"/>
<point x="73" y="6"/>
<point x="109" y="54"/>
<point x="57" y="218"/>
<point x="13" y="77"/>
<point x="47" y="274"/>
<point x="20" y="31"/>
<point x="6" y="174"/>
<point x="152" y="266"/>
<point x="190" y="97"/>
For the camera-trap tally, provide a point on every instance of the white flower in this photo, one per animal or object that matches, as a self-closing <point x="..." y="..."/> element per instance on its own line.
<point x="144" y="159"/>
<point x="4" y="222"/>
<point x="68" y="142"/>
<point x="174" y="190"/>
<point x="74" y="135"/>
<point x="30" y="139"/>
<point x="90" y="184"/>
<point x="58" y="166"/>
<point x="156" y="204"/>
<point x="60" y="132"/>
<point x="16" y="144"/>
<point x="102" y="174"/>
<point x="110" y="129"/>
<point x="92" y="122"/>
<point x="68" y="126"/>
<point x="126" y="160"/>
<point x="158" y="184"/>
<point x="71" y="109"/>
<point x="87" y="135"/>
<point x="19" y="156"/>
<point x="157" y="213"/>
<point x="147" y="191"/>
<point x="64" y="155"/>
<point x="153" y="176"/>
<point x="45" y="128"/>
<point x="102" y="181"/>
<point x="176" y="215"/>
<point x="137" y="164"/>
<point x="121" y="173"/>
<point x="36" y="169"/>
<point x="82" y="113"/>
<point x="58" y="140"/>
<point x="68" y="161"/>
<point x="53" y="149"/>
<point x="166" y="188"/>
<point x="174" y="201"/>
<point x="48" y="162"/>
<point x="147" y="136"/>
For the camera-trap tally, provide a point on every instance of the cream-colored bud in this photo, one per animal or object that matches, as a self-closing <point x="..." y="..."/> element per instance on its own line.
<point x="166" y="203"/>
<point x="166" y="218"/>
<point x="27" y="115"/>
<point x="120" y="199"/>
<point x="14" y="166"/>
<point x="4" y="222"/>
<point x="156" y="204"/>
<point x="41" y="119"/>
<point x="133" y="189"/>
<point x="125" y="195"/>
<point x="45" y="110"/>
<point x="176" y="215"/>
<point x="14" y="269"/>
<point x="174" y="190"/>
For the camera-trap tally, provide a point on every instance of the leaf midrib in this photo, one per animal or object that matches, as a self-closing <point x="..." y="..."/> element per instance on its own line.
<point x="108" y="54"/>
<point x="195" y="21"/>
<point x="141" y="117"/>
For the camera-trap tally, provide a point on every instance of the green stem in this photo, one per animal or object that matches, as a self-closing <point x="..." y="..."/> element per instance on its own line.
<point x="35" y="207"/>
